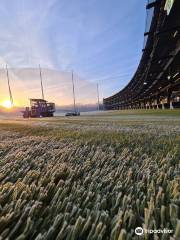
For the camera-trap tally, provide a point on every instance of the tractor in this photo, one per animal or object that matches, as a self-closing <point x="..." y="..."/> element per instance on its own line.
<point x="39" y="108"/>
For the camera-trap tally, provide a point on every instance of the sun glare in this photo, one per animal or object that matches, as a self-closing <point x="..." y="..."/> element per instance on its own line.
<point x="6" y="104"/>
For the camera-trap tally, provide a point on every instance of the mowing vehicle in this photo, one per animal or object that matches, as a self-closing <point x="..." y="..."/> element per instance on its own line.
<point x="39" y="108"/>
<point x="69" y="114"/>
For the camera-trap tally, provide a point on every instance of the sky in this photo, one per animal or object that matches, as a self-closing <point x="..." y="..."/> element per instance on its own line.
<point x="100" y="40"/>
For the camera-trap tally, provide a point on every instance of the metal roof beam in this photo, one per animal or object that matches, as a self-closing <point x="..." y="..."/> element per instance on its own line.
<point x="153" y="4"/>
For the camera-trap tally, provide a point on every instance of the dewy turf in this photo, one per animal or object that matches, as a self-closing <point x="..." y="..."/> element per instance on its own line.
<point x="90" y="177"/>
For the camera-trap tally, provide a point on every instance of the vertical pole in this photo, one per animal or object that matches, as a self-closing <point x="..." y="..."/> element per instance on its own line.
<point x="157" y="101"/>
<point x="163" y="106"/>
<point x="98" y="96"/>
<point x="171" y="105"/>
<point x="9" y="87"/>
<point x="73" y="92"/>
<point x="42" y="90"/>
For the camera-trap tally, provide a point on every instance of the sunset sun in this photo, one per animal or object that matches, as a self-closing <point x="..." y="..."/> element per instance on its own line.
<point x="6" y="104"/>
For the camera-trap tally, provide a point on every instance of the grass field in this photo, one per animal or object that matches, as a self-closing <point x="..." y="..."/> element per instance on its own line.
<point x="90" y="177"/>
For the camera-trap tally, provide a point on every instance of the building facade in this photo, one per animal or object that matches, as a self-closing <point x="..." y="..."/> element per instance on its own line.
<point x="156" y="83"/>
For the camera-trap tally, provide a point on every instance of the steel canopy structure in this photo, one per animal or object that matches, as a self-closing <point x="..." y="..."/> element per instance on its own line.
<point x="156" y="83"/>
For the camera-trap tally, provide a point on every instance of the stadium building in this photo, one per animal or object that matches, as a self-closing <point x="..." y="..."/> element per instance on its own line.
<point x="156" y="83"/>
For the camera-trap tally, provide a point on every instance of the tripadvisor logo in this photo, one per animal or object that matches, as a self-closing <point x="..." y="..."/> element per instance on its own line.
<point x="140" y="231"/>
